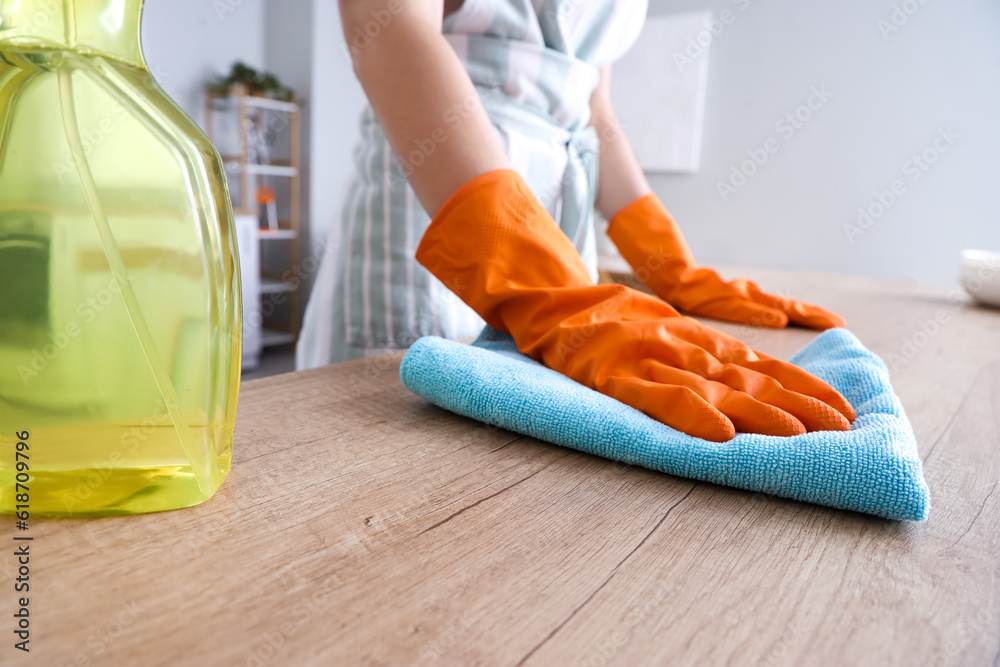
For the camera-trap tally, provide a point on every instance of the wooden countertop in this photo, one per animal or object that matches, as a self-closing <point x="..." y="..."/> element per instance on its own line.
<point x="361" y="525"/>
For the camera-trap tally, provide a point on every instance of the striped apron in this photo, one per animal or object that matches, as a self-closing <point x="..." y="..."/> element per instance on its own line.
<point x="534" y="64"/>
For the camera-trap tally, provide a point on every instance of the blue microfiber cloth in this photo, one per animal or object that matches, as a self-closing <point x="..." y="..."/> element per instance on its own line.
<point x="874" y="468"/>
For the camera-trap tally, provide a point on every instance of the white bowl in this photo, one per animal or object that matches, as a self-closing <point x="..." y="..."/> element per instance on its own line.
<point x="979" y="275"/>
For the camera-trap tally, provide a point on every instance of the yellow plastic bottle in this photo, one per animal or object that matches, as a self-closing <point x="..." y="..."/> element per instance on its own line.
<point x="119" y="285"/>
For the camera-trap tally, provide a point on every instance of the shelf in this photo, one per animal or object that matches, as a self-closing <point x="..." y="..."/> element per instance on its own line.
<point x="265" y="234"/>
<point x="269" y="286"/>
<point x="268" y="103"/>
<point x="270" y="338"/>
<point x="275" y="162"/>
<point x="271" y="170"/>
<point x="276" y="168"/>
<point x="256" y="101"/>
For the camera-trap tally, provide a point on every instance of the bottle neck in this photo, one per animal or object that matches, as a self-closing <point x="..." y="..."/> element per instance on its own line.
<point x="105" y="27"/>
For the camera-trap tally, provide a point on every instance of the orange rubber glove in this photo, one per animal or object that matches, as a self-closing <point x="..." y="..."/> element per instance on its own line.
<point x="652" y="244"/>
<point x="496" y="247"/>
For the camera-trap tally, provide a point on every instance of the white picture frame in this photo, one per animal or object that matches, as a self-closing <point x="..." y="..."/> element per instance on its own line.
<point x="658" y="91"/>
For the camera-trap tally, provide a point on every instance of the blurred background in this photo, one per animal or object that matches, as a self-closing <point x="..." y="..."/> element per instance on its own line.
<point x="878" y="121"/>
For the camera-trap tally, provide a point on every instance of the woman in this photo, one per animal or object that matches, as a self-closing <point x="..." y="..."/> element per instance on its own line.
<point x="476" y="177"/>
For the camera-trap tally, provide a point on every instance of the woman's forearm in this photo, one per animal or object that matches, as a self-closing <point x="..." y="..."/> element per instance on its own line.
<point x="622" y="180"/>
<point x="422" y="95"/>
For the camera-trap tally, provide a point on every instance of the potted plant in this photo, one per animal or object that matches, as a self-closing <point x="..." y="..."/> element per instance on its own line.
<point x="260" y="84"/>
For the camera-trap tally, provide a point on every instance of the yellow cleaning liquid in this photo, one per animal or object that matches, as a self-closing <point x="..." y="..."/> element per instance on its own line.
<point x="119" y="293"/>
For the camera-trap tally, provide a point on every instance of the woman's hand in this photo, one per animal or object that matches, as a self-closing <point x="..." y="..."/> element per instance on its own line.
<point x="652" y="243"/>
<point x="498" y="249"/>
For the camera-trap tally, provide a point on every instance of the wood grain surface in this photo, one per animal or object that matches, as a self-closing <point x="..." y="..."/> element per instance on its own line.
<point x="362" y="526"/>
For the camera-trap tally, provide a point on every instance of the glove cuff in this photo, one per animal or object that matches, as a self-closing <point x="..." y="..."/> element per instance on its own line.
<point x="652" y="244"/>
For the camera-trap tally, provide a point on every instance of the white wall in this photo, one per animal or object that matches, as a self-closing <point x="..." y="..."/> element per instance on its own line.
<point x="890" y="97"/>
<point x="304" y="48"/>
<point x="337" y="104"/>
<point x="188" y="42"/>
<point x="288" y="44"/>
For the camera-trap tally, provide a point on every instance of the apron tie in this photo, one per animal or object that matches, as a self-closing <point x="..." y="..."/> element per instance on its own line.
<point x="576" y="190"/>
<point x="579" y="193"/>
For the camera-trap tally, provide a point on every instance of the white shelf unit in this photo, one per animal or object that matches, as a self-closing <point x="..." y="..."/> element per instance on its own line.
<point x="250" y="174"/>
